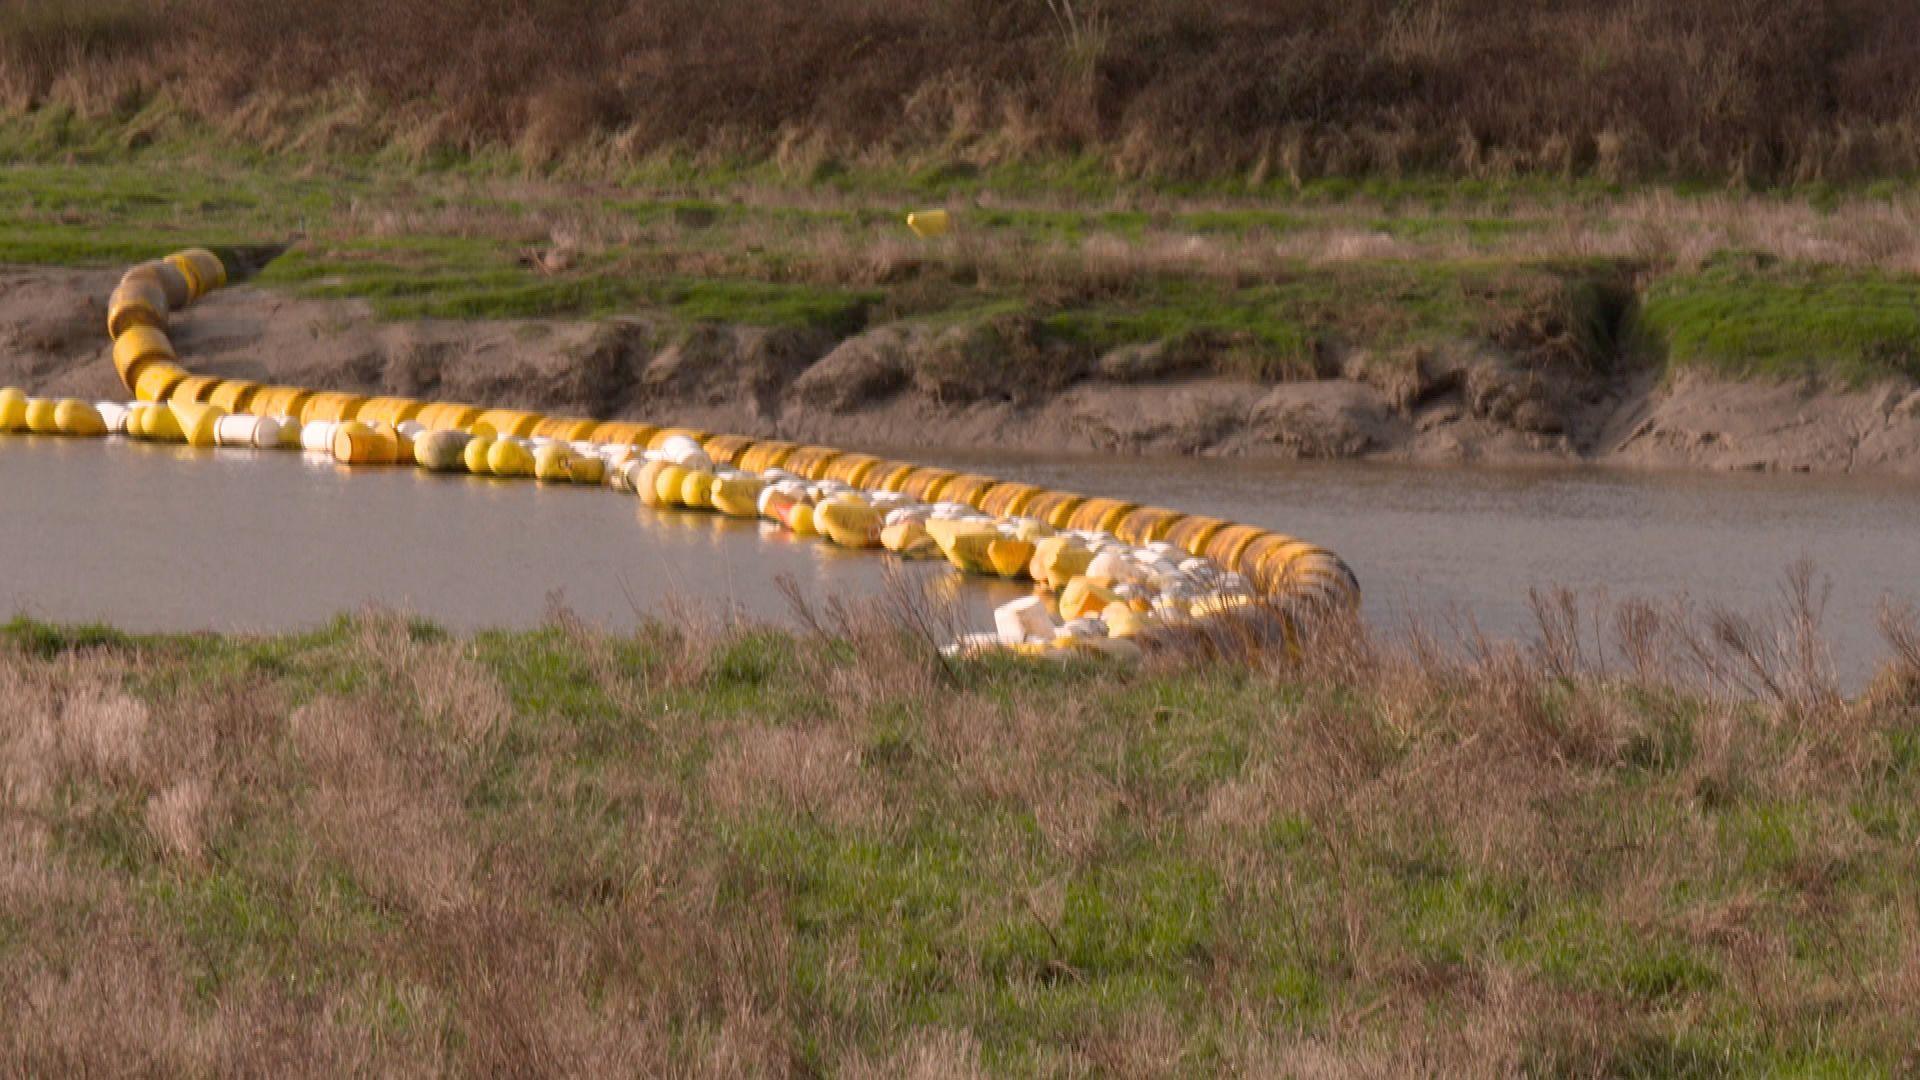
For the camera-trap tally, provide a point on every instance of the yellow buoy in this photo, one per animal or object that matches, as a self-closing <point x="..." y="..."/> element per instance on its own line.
<point x="927" y="224"/>
<point x="139" y="300"/>
<point x="233" y="394"/>
<point x="391" y="411"/>
<point x="565" y="428"/>
<point x="552" y="464"/>
<point x="586" y="469"/>
<point x="331" y="407"/>
<point x="357" y="443"/>
<point x="40" y="418"/>
<point x="280" y="401"/>
<point x="667" y="483"/>
<point x="737" y="496"/>
<point x="198" y="422"/>
<point x="162" y="423"/>
<point x="478" y="449"/>
<point x="849" y="524"/>
<point x="448" y="416"/>
<point x="510" y="459"/>
<point x="1082" y="597"/>
<point x="13" y="410"/>
<point x="498" y="423"/>
<point x="74" y="417"/>
<point x="696" y="490"/>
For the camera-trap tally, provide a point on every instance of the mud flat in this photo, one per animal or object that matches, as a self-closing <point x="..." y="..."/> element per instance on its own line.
<point x="916" y="384"/>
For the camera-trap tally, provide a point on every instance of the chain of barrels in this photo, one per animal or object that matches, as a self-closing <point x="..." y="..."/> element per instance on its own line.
<point x="1108" y="569"/>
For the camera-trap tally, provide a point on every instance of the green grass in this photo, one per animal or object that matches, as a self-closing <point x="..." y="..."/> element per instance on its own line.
<point x="1075" y="866"/>
<point x="1743" y="318"/>
<point x="683" y="244"/>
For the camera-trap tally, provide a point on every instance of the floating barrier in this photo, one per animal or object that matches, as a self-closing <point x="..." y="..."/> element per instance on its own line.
<point x="1107" y="573"/>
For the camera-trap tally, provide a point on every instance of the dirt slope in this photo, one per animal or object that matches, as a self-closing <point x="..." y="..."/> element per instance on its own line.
<point x="904" y="387"/>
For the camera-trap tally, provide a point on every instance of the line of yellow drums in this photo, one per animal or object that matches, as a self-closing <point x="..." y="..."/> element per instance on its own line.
<point x="1106" y="571"/>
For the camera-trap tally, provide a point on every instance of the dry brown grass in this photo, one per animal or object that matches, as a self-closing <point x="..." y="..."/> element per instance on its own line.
<point x="1795" y="91"/>
<point x="729" y="851"/>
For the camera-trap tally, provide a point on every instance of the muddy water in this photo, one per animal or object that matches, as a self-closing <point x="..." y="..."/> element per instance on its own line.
<point x="1457" y="550"/>
<point x="163" y="538"/>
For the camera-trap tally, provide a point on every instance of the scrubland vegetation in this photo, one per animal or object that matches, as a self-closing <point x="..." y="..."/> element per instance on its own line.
<point x="1261" y="188"/>
<point x="1796" y="91"/>
<point x="1656" y="842"/>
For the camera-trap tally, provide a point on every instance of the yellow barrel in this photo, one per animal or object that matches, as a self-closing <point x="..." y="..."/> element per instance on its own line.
<point x="1322" y="575"/>
<point x="202" y="268"/>
<point x="1100" y="515"/>
<point x="811" y="462"/>
<point x="391" y="411"/>
<point x="926" y="483"/>
<point x="331" y="406"/>
<point x="565" y="428"/>
<point x="854" y="470"/>
<point x="623" y="433"/>
<point x="157" y="380"/>
<point x="727" y="449"/>
<point x="139" y="300"/>
<point x="1227" y="545"/>
<point x="892" y="475"/>
<point x="40" y="417"/>
<point x="13" y="409"/>
<point x="447" y="416"/>
<point x="967" y="488"/>
<point x="1265" y="561"/>
<point x="1056" y="508"/>
<point x="1007" y="500"/>
<point x="283" y="401"/>
<point x="766" y="454"/>
<point x="356" y="443"/>
<point x="661" y="436"/>
<point x="233" y="394"/>
<point x="173" y="284"/>
<point x="1147" y="525"/>
<point x="137" y="346"/>
<point x="1190" y="534"/>
<point x="194" y="389"/>
<point x="502" y="422"/>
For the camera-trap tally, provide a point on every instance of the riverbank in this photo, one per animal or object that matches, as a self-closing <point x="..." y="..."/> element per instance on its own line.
<point x="996" y="382"/>
<point x="380" y="847"/>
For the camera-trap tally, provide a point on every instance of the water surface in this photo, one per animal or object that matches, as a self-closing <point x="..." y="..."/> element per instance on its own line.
<point x="163" y="538"/>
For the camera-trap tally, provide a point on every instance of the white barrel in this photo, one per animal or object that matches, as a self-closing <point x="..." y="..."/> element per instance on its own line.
<point x="412" y="429"/>
<point x="266" y="432"/>
<point x="317" y="437"/>
<point x="114" y="415"/>
<point x="238" y="429"/>
<point x="685" y="453"/>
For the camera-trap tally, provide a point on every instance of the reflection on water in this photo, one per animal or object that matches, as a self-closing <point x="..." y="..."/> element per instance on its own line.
<point x="165" y="538"/>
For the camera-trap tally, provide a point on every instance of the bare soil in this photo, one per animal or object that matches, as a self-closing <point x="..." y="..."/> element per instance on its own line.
<point x="909" y="386"/>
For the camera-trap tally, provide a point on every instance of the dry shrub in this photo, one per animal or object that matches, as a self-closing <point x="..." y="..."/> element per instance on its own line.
<point x="815" y="774"/>
<point x="1799" y="91"/>
<point x="381" y="809"/>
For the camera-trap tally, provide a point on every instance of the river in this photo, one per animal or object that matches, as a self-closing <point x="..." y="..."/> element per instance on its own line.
<point x="162" y="538"/>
